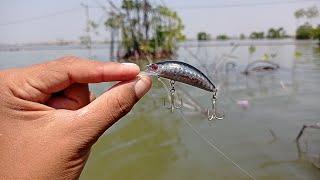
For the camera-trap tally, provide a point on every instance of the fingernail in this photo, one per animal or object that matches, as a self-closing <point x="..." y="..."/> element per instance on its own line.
<point x="142" y="86"/>
<point x="131" y="65"/>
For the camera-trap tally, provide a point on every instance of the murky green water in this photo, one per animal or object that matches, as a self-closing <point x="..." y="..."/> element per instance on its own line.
<point x="152" y="143"/>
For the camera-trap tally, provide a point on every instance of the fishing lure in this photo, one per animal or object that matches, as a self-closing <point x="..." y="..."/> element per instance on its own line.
<point x="185" y="73"/>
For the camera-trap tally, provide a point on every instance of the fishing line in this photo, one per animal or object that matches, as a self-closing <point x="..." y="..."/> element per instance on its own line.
<point x="214" y="146"/>
<point x="165" y="87"/>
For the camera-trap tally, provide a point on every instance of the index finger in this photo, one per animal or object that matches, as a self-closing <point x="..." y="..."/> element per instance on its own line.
<point x="56" y="75"/>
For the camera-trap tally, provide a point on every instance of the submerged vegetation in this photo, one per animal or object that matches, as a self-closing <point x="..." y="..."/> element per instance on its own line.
<point x="145" y="30"/>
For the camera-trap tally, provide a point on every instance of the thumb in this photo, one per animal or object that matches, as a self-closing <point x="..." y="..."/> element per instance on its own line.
<point x="99" y="115"/>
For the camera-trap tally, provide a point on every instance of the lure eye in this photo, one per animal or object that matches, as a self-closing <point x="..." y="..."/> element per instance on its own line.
<point x="154" y="67"/>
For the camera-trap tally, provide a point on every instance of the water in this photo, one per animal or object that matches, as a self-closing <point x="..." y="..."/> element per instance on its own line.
<point x="152" y="143"/>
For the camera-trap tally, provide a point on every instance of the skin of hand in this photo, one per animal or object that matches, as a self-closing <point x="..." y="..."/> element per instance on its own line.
<point x="48" y="123"/>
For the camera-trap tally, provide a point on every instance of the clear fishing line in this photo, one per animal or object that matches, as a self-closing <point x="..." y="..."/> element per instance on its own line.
<point x="214" y="146"/>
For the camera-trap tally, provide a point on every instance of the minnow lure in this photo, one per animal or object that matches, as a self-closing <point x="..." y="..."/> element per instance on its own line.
<point x="185" y="73"/>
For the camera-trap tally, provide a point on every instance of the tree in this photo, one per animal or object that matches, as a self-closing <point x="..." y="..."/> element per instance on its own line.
<point x="274" y="33"/>
<point x="242" y="36"/>
<point x="304" y="31"/>
<point x="316" y="33"/>
<point x="222" y="37"/>
<point x="308" y="13"/>
<point x="145" y="30"/>
<point x="299" y="13"/>
<point x="257" y="35"/>
<point x="203" y="36"/>
<point x="312" y="12"/>
<point x="85" y="40"/>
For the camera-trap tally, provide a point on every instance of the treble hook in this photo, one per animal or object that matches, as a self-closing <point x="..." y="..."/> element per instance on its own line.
<point x="172" y="105"/>
<point x="214" y="114"/>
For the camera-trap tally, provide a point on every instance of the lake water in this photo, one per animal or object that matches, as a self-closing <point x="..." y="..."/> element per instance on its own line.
<point x="263" y="114"/>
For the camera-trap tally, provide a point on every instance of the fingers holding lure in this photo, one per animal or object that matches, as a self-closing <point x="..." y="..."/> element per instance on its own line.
<point x="185" y="73"/>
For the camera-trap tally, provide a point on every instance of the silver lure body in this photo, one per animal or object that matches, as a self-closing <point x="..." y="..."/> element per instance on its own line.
<point x="182" y="72"/>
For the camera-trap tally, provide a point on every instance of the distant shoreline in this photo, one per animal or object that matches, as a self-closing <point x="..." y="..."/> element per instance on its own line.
<point x="187" y="43"/>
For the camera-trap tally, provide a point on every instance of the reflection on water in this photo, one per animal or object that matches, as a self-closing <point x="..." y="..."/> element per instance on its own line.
<point x="142" y="141"/>
<point x="264" y="113"/>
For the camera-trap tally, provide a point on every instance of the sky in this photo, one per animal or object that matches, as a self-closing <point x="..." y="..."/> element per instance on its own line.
<point x="35" y="21"/>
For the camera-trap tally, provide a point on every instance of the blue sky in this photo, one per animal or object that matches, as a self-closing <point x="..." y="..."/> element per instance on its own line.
<point x="216" y="20"/>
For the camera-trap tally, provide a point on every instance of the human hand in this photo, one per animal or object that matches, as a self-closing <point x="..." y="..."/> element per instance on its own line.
<point x="47" y="122"/>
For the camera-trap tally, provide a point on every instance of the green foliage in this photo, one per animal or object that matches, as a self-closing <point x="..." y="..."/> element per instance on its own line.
<point x="114" y="21"/>
<point x="305" y="31"/>
<point x="203" y="36"/>
<point x="312" y="12"/>
<point x="128" y="4"/>
<point x="309" y="13"/>
<point x="299" y="13"/>
<point x="86" y="40"/>
<point x="316" y="33"/>
<point x="274" y="33"/>
<point x="146" y="29"/>
<point x="257" y="35"/>
<point x="168" y="33"/>
<point x="222" y="37"/>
